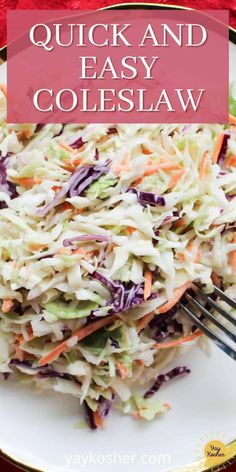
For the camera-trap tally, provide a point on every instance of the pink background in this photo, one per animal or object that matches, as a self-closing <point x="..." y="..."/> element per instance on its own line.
<point x="31" y="68"/>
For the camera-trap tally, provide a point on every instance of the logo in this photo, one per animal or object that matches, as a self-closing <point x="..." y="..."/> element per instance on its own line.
<point x="215" y="452"/>
<point x="214" y="449"/>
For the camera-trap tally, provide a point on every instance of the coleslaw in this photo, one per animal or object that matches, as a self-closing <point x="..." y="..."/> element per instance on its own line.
<point x="102" y="230"/>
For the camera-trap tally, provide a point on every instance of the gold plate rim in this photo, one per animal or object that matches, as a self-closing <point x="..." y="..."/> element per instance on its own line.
<point x="197" y="464"/>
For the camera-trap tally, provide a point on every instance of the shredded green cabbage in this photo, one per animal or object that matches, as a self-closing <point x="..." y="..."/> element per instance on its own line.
<point x="72" y="254"/>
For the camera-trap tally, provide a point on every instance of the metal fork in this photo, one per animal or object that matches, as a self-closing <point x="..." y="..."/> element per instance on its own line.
<point x="196" y="304"/>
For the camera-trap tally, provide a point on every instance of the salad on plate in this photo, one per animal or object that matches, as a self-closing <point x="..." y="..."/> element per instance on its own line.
<point x="102" y="230"/>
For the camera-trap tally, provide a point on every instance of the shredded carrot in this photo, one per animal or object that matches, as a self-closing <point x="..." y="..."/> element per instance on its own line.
<point x="77" y="162"/>
<point x="68" y="162"/>
<point x="167" y="405"/>
<point x="217" y="149"/>
<point x="125" y="159"/>
<point x="68" y="167"/>
<point x="177" y="295"/>
<point x="189" y="246"/>
<point x="56" y="188"/>
<point x="67" y="147"/>
<point x="30" y="333"/>
<point x="3" y="89"/>
<point x="175" y="178"/>
<point x="164" y="160"/>
<point x="19" y="353"/>
<point x="19" y="134"/>
<point x="130" y="230"/>
<point x="37" y="247"/>
<point x="203" y="166"/>
<point x="215" y="279"/>
<point x="27" y="133"/>
<point x="20" y="338"/>
<point x="118" y="169"/>
<point x="147" y="284"/>
<point x="28" y="182"/>
<point x="181" y="256"/>
<point x="78" y="211"/>
<point x="110" y="247"/>
<point x="137" y="182"/>
<point x="231" y="162"/>
<point x="145" y="150"/>
<point x="167" y="166"/>
<point x="66" y="206"/>
<point x="232" y="255"/>
<point x="232" y="119"/>
<point x="84" y="253"/>
<point x="98" y="420"/>
<point x="198" y="256"/>
<point x="80" y="334"/>
<point x="122" y="370"/>
<point x="179" y="223"/>
<point x="63" y="250"/>
<point x="139" y="362"/>
<point x="31" y="337"/>
<point x="7" y="305"/>
<point x="176" y="342"/>
<point x="145" y="320"/>
<point x="136" y="415"/>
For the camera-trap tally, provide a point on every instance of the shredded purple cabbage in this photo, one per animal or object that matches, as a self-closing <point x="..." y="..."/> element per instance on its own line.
<point x="5" y="186"/>
<point x="148" y="198"/>
<point x="157" y="233"/>
<point x="86" y="237"/>
<point x="78" y="143"/>
<point x="163" y="318"/>
<point x="114" y="343"/>
<point x="162" y="378"/>
<point x="46" y="371"/>
<point x="165" y="325"/>
<point x="77" y="183"/>
<point x="39" y="127"/>
<point x="6" y="375"/>
<point x="49" y="373"/>
<point x="96" y="155"/>
<point x="89" y="416"/>
<point x="17" y="362"/>
<point x="111" y="131"/>
<point x="123" y="296"/>
<point x="223" y="149"/>
<point x="104" y="406"/>
<point x="228" y="228"/>
<point x="230" y="197"/>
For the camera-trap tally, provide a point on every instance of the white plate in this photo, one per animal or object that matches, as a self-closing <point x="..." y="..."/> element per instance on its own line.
<point x="40" y="431"/>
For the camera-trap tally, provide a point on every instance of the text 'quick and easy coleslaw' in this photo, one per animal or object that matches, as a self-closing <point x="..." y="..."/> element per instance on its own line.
<point x="102" y="230"/>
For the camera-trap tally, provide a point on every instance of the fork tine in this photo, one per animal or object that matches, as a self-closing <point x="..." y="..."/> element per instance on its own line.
<point x="218" y="341"/>
<point x="210" y="317"/>
<point x="218" y="308"/>
<point x="224" y="297"/>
